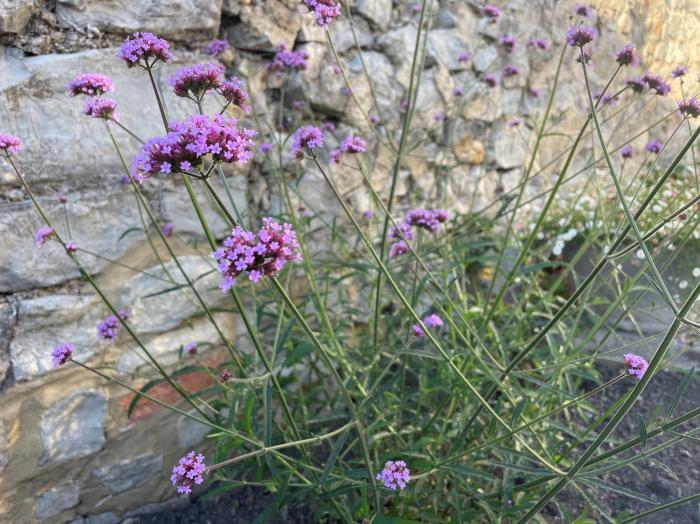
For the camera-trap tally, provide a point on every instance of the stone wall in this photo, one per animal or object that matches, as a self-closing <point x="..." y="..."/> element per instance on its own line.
<point x="68" y="451"/>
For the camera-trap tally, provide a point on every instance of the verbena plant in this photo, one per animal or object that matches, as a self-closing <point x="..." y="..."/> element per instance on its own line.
<point x="409" y="366"/>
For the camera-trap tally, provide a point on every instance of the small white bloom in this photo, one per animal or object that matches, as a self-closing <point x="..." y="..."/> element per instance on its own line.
<point x="683" y="284"/>
<point x="639" y="254"/>
<point x="696" y="272"/>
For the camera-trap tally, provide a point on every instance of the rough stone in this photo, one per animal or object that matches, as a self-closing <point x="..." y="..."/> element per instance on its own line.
<point x="376" y="11"/>
<point x="97" y="221"/>
<point x="15" y="15"/>
<point x="264" y="25"/>
<point x="485" y="59"/>
<point x="397" y="44"/>
<point x="46" y="321"/>
<point x="8" y="316"/>
<point x="73" y="427"/>
<point x="343" y="39"/>
<point x="57" y="500"/>
<point x="469" y="150"/>
<point x="445" y="45"/>
<point x="510" y="147"/>
<point x="101" y="518"/>
<point x="129" y="473"/>
<point x="198" y="19"/>
<point x="3" y="445"/>
<point x="190" y="432"/>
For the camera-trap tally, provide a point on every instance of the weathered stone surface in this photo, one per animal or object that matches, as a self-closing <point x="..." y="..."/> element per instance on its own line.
<point x="129" y="473"/>
<point x="343" y="39"/>
<point x="190" y="432"/>
<point x="73" y="427"/>
<point x="386" y="88"/>
<point x="486" y="59"/>
<point x="198" y="19"/>
<point x="15" y="15"/>
<point x="376" y="11"/>
<point x="76" y="148"/>
<point x="469" y="150"/>
<point x="510" y="147"/>
<point x="58" y="499"/>
<point x="3" y="445"/>
<point x="46" y="321"/>
<point x="264" y="25"/>
<point x="97" y="220"/>
<point x="8" y="317"/>
<point x="101" y="518"/>
<point x="397" y="44"/>
<point x="445" y="45"/>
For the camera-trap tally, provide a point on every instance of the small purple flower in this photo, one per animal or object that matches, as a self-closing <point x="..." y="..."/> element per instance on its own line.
<point x="541" y="43"/>
<point x="655" y="146"/>
<point x="346" y="91"/>
<point x="657" y="83"/>
<point x="585" y="56"/>
<point x="325" y="11"/>
<point x="514" y="122"/>
<point x="508" y="42"/>
<point x="432" y="321"/>
<point x="336" y="69"/>
<point x="368" y="214"/>
<point x="395" y="475"/>
<point x="636" y="365"/>
<point x="636" y="84"/>
<point x="306" y="137"/>
<point x="351" y="145"/>
<point x="233" y="92"/>
<point x="374" y="119"/>
<point x="10" y="143"/>
<point x="216" y="47"/>
<point x="398" y="248"/>
<point x="167" y="229"/>
<point x="101" y="107"/>
<point x="62" y="198"/>
<point x="196" y="80"/>
<point x="191" y="348"/>
<point x="428" y="219"/>
<point x="464" y="57"/>
<point x="439" y="116"/>
<point x="535" y="92"/>
<point x="62" y="354"/>
<point x="43" y="234"/>
<point x="458" y="91"/>
<point x="627" y="151"/>
<point x="336" y="156"/>
<point x="582" y="10"/>
<point x="580" y="35"/>
<point x="627" y="56"/>
<point x="144" y="49"/>
<point x="92" y="84"/>
<point x="491" y="12"/>
<point x="265" y="147"/>
<point x="298" y="105"/>
<point x="225" y="376"/>
<point x="689" y="107"/>
<point x="679" y="71"/>
<point x="71" y="246"/>
<point x="510" y="70"/>
<point x="187" y="472"/>
<point x="328" y="126"/>
<point x="287" y="60"/>
<point x="109" y="328"/>
<point x="491" y="80"/>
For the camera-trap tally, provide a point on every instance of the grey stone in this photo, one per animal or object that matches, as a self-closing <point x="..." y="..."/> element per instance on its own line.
<point x="510" y="147"/>
<point x="46" y="321"/>
<point x="73" y="427"/>
<point x="397" y="45"/>
<point x="182" y="19"/>
<point x="75" y="148"/>
<point x="57" y="500"/>
<point x="97" y="221"/>
<point x="265" y="25"/>
<point x="129" y="473"/>
<point x="376" y="11"/>
<point x="15" y="15"/>
<point x="343" y="38"/>
<point x="190" y="432"/>
<point x="101" y="518"/>
<point x="3" y="445"/>
<point x="486" y="59"/>
<point x="445" y="45"/>
<point x="8" y="318"/>
<point x="386" y="87"/>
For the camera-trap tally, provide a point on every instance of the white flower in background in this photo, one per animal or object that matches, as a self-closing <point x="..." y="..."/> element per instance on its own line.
<point x="639" y="254"/>
<point x="696" y="272"/>
<point x="683" y="284"/>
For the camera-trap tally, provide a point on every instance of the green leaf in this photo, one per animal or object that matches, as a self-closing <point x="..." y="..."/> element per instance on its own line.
<point x="620" y="489"/>
<point x="385" y="519"/>
<point x="467" y="471"/>
<point x="679" y="391"/>
<point x="335" y="451"/>
<point x="642" y="431"/>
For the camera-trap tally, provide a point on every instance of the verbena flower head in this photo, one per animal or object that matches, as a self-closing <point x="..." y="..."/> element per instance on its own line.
<point x="689" y="107"/>
<point x="398" y="248"/>
<point x="679" y="71"/>
<point x="167" y="229"/>
<point x="71" y="246"/>
<point x="439" y="116"/>
<point x="541" y="43"/>
<point x="188" y="471"/>
<point x="514" y="122"/>
<point x="510" y="70"/>
<point x="627" y="56"/>
<point x="265" y="147"/>
<point x="656" y="83"/>
<point x="306" y="137"/>
<point x="582" y="10"/>
<point x="325" y="11"/>
<point x="508" y="42"/>
<point x="286" y="60"/>
<point x="636" y="365"/>
<point x="216" y="47"/>
<point x="464" y="57"/>
<point x="196" y="80"/>
<point x="191" y="348"/>
<point x="585" y="56"/>
<point x="189" y="142"/>
<point x="261" y="254"/>
<point x="491" y="12"/>
<point x="225" y="376"/>
<point x="233" y="92"/>
<point x="428" y="219"/>
<point x="144" y="49"/>
<point x="368" y="214"/>
<point x="110" y="327"/>
<point x="351" y="145"/>
<point x="10" y="143"/>
<point x="92" y="84"/>
<point x="491" y="80"/>
<point x="395" y="475"/>
<point x="655" y="146"/>
<point x="636" y="84"/>
<point x="62" y="354"/>
<point x="580" y="35"/>
<point x="627" y="151"/>
<point x="101" y="107"/>
<point x="458" y="91"/>
<point x="43" y="234"/>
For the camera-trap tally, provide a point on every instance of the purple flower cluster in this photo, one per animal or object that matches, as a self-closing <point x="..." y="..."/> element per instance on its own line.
<point x="491" y="12"/>
<point x="62" y="354"/>
<point x="233" y="92"/>
<point x="216" y="47"/>
<point x="71" y="246"/>
<point x="428" y="219"/>
<point x="10" y="143"/>
<point x="627" y="151"/>
<point x="191" y="348"/>
<point x="325" y="11"/>
<point x="351" y="145"/>
<point x="264" y="254"/>
<point x="139" y="48"/>
<point x="167" y="229"/>
<point x="655" y="146"/>
<point x="510" y="70"/>
<point x="508" y="42"/>
<point x="196" y="80"/>
<point x="395" y="475"/>
<point x="109" y="328"/>
<point x="689" y="107"/>
<point x="656" y="83"/>
<point x="306" y="137"/>
<point x="188" y="142"/>
<point x="432" y="321"/>
<point x="582" y="10"/>
<point x="636" y="365"/>
<point x="43" y="234"/>
<point x="92" y="84"/>
<point x="286" y="60"/>
<point x="491" y="80"/>
<point x="542" y="43"/>
<point x="627" y="56"/>
<point x="464" y="57"/>
<point x="636" y="84"/>
<point x="100" y="107"/>
<point x="188" y="471"/>
<point x="679" y="71"/>
<point x="580" y="35"/>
